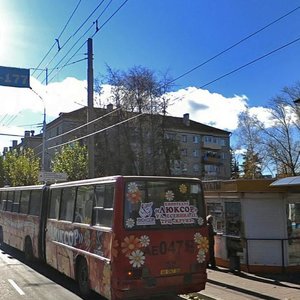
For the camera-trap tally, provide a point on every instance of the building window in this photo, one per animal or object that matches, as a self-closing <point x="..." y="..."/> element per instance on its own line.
<point x="184" y="152"/>
<point x="222" y="142"/>
<point x="184" y="167"/>
<point x="196" y="139"/>
<point x="196" y="153"/>
<point x="184" y="138"/>
<point x="196" y="168"/>
<point x="170" y="136"/>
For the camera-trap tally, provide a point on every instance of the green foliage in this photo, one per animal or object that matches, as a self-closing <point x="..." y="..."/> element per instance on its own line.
<point x="21" y="168"/>
<point x="251" y="165"/>
<point x="234" y="166"/>
<point x="2" y="177"/>
<point x="72" y="160"/>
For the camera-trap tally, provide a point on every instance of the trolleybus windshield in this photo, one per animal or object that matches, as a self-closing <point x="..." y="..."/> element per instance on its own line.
<point x="163" y="204"/>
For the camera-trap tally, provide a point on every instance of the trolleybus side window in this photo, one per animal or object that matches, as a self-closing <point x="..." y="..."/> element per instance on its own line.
<point x="16" y="204"/>
<point x="54" y="203"/>
<point x="67" y="204"/>
<point x="35" y="202"/>
<point x="3" y="200"/>
<point x="24" y="202"/>
<point x="10" y="199"/>
<point x="84" y="204"/>
<point x="103" y="210"/>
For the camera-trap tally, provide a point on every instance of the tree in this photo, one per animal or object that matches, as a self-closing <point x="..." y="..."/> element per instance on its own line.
<point x="72" y="160"/>
<point x="251" y="165"/>
<point x="137" y="146"/>
<point x="250" y="139"/>
<point x="234" y="165"/>
<point x="275" y="144"/>
<point x="282" y="140"/>
<point x="2" y="177"/>
<point x="21" y="168"/>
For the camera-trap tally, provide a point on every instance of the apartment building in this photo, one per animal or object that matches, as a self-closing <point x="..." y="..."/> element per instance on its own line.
<point x="204" y="151"/>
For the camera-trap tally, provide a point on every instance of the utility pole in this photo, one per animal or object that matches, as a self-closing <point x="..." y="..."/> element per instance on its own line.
<point x="90" y="109"/>
<point x="44" y="131"/>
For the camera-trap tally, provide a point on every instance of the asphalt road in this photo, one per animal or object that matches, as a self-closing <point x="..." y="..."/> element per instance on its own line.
<point x="37" y="281"/>
<point x="19" y="280"/>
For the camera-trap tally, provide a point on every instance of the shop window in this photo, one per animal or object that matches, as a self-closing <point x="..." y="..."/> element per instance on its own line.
<point x="233" y="218"/>
<point x="293" y="233"/>
<point x="216" y="210"/>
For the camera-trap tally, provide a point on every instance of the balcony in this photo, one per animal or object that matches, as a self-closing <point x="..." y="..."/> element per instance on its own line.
<point x="213" y="146"/>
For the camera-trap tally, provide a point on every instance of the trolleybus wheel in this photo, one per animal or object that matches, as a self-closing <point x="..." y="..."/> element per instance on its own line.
<point x="83" y="278"/>
<point x="28" y="250"/>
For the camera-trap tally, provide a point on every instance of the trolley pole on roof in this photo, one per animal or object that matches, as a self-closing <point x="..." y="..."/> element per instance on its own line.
<point x="90" y="110"/>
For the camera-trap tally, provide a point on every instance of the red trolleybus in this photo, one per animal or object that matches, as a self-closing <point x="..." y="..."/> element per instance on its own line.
<point x="128" y="236"/>
<point x="21" y="221"/>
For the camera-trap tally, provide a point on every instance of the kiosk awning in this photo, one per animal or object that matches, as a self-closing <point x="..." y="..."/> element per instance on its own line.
<point x="288" y="181"/>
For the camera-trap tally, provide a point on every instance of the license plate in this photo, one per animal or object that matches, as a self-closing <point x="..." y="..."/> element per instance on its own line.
<point x="169" y="271"/>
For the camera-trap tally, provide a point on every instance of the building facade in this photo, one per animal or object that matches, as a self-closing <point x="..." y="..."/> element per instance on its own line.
<point x="139" y="146"/>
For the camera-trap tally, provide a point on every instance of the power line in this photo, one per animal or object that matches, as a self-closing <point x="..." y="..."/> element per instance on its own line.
<point x="58" y="38"/>
<point x="97" y="30"/>
<point x="84" y="125"/>
<point x="251" y="62"/>
<point x="110" y="17"/>
<point x="234" y="45"/>
<point x="73" y="35"/>
<point x="7" y="134"/>
<point x="98" y="131"/>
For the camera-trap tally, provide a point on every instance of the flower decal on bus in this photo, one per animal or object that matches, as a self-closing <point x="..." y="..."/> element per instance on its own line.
<point x="130" y="223"/>
<point x="131" y="248"/>
<point x="115" y="246"/>
<point x="201" y="256"/>
<point x="130" y="244"/>
<point x="132" y="187"/>
<point x="202" y="245"/>
<point x="137" y="258"/>
<point x="169" y="195"/>
<point x="144" y="240"/>
<point x="183" y="189"/>
<point x="200" y="221"/>
<point x="134" y="195"/>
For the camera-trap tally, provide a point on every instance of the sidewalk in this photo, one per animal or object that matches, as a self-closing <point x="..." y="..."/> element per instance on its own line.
<point x="223" y="285"/>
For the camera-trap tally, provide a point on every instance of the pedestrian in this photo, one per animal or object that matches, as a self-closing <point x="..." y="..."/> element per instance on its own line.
<point x="211" y="240"/>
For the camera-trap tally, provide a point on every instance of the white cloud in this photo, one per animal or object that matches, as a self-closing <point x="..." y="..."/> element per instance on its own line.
<point x="209" y="108"/>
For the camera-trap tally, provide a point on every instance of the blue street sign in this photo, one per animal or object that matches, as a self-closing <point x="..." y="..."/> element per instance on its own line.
<point x="14" y="77"/>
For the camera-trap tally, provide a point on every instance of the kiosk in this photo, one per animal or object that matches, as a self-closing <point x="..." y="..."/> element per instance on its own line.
<point x="257" y="223"/>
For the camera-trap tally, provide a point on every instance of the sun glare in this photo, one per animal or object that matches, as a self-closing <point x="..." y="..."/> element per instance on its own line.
<point x="6" y="35"/>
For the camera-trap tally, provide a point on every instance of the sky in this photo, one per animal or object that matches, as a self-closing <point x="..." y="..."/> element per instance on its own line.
<point x="181" y="38"/>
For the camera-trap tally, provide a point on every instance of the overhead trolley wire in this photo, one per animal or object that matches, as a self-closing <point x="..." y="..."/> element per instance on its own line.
<point x="58" y="39"/>
<point x="72" y="36"/>
<point x="84" y="125"/>
<point x="97" y="30"/>
<point x="234" y="45"/>
<point x="251" y="62"/>
<point x="98" y="131"/>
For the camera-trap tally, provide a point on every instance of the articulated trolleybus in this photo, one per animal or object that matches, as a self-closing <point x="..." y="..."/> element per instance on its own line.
<point x="123" y="236"/>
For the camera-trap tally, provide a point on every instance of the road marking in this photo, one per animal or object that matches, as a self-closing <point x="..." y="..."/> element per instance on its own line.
<point x="18" y="289"/>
